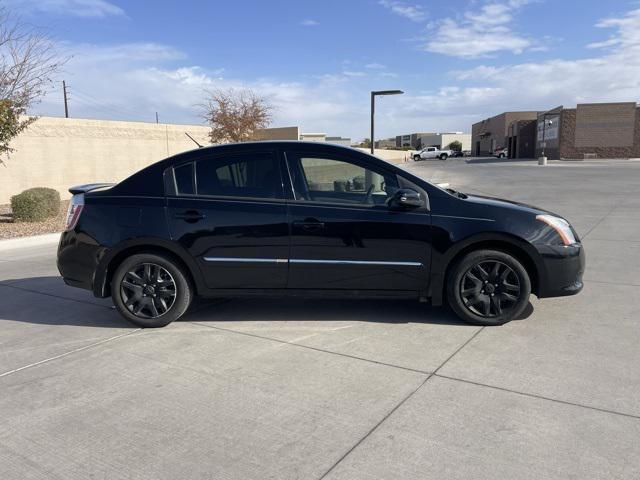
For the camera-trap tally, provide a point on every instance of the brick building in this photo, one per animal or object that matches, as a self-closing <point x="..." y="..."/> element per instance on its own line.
<point x="521" y="139"/>
<point x="592" y="130"/>
<point x="493" y="132"/>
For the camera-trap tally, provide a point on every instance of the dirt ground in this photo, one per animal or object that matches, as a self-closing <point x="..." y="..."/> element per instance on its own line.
<point x="11" y="229"/>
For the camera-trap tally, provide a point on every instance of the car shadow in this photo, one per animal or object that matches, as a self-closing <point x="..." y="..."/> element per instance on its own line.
<point x="48" y="301"/>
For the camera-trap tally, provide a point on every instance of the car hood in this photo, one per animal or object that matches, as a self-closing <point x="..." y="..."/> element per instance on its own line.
<point x="507" y="204"/>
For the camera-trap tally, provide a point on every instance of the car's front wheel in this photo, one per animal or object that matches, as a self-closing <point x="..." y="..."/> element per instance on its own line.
<point x="150" y="290"/>
<point x="488" y="287"/>
<point x="416" y="158"/>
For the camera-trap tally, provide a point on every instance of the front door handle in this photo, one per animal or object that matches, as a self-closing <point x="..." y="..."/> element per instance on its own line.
<point x="309" y="225"/>
<point x="190" y="216"/>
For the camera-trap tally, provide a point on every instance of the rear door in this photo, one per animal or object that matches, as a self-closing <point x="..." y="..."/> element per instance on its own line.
<point x="344" y="236"/>
<point x="228" y="212"/>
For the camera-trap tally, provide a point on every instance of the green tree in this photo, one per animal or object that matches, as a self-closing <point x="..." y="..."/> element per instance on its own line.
<point x="456" y="146"/>
<point x="11" y="124"/>
<point x="28" y="61"/>
<point x="366" y="143"/>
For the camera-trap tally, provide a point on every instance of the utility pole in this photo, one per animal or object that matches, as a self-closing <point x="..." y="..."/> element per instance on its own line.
<point x="66" y="105"/>
<point x="157" y="118"/>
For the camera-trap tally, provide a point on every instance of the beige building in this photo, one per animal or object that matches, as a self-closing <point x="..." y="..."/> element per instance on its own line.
<point x="62" y="152"/>
<point x="313" y="137"/>
<point x="433" y="139"/>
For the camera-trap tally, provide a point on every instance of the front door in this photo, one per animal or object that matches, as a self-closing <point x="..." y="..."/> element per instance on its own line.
<point x="343" y="235"/>
<point x="229" y="213"/>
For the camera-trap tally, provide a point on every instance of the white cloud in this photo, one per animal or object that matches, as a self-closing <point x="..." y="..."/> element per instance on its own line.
<point x="614" y="76"/>
<point x="375" y="66"/>
<point x="352" y="73"/>
<point x="77" y="8"/>
<point x="133" y="81"/>
<point x="480" y="33"/>
<point x="309" y="23"/>
<point x="412" y="12"/>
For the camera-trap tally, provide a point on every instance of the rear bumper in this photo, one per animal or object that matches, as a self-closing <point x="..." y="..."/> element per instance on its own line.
<point x="78" y="259"/>
<point x="563" y="268"/>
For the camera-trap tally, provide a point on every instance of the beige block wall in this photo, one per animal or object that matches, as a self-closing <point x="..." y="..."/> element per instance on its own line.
<point x="463" y="138"/>
<point x="62" y="152"/>
<point x="391" y="156"/>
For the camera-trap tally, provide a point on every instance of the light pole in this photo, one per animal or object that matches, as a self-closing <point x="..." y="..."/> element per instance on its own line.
<point x="373" y="110"/>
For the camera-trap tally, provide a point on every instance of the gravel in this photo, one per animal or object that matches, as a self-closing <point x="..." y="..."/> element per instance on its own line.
<point x="11" y="229"/>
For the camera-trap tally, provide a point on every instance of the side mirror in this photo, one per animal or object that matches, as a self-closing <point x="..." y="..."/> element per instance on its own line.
<point x="405" y="198"/>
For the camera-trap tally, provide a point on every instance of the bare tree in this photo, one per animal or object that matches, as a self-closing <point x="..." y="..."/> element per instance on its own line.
<point x="235" y="115"/>
<point x="28" y="61"/>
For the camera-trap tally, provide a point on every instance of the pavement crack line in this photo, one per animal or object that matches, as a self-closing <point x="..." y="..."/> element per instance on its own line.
<point x="47" y="360"/>
<point x="322" y="350"/>
<point x="541" y="397"/>
<point x="394" y="409"/>
<point x="614" y="208"/>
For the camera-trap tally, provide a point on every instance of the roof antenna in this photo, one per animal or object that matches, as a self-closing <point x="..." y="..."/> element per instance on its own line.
<point x="194" y="140"/>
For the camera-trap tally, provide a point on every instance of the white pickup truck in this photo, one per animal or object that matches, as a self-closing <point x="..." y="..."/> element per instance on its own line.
<point x="431" y="152"/>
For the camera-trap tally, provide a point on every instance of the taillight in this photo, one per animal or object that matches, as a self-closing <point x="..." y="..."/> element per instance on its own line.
<point x="75" y="209"/>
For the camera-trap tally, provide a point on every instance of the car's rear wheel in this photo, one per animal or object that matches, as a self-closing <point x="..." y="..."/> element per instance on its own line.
<point x="150" y="290"/>
<point x="488" y="287"/>
<point x="444" y="156"/>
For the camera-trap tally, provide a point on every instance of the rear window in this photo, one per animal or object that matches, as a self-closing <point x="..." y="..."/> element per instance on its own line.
<point x="254" y="175"/>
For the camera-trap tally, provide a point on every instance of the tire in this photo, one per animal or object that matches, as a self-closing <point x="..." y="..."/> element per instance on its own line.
<point x="502" y="155"/>
<point x="416" y="158"/>
<point x="469" y="297"/>
<point x="153" y="284"/>
<point x="444" y="156"/>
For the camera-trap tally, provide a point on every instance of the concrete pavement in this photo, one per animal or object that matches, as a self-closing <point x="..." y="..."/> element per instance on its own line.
<point x="309" y="389"/>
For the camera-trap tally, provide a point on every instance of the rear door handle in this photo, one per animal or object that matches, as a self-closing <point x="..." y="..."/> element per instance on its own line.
<point x="190" y="216"/>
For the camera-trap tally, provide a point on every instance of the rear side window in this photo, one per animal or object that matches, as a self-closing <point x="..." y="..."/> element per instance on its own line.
<point x="184" y="179"/>
<point x="254" y="175"/>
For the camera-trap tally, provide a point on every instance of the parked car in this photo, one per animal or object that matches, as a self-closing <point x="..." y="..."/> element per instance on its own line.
<point x="501" y="152"/>
<point x="293" y="218"/>
<point x="431" y="152"/>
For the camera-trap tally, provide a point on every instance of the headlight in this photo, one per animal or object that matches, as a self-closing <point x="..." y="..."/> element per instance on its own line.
<point x="561" y="226"/>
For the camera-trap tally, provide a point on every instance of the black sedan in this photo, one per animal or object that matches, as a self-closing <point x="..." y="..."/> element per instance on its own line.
<point x="295" y="218"/>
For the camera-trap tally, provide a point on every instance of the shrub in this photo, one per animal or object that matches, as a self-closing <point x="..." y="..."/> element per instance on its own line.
<point x="35" y="204"/>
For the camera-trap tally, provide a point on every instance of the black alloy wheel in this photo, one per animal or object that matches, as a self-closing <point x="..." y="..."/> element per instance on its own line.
<point x="488" y="287"/>
<point x="151" y="290"/>
<point x="148" y="290"/>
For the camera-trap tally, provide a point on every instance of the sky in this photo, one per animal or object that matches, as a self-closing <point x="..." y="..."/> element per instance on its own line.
<point x="458" y="61"/>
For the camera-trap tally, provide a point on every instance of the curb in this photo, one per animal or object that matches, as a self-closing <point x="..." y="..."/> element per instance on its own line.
<point x="33" y="241"/>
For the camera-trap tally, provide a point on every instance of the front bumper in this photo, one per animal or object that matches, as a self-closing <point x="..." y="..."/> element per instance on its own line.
<point x="562" y="270"/>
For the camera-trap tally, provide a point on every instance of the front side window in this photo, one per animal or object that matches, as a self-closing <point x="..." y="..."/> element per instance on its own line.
<point x="253" y="175"/>
<point x="335" y="180"/>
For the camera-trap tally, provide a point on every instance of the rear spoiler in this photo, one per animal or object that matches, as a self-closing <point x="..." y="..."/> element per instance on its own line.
<point x="88" y="187"/>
